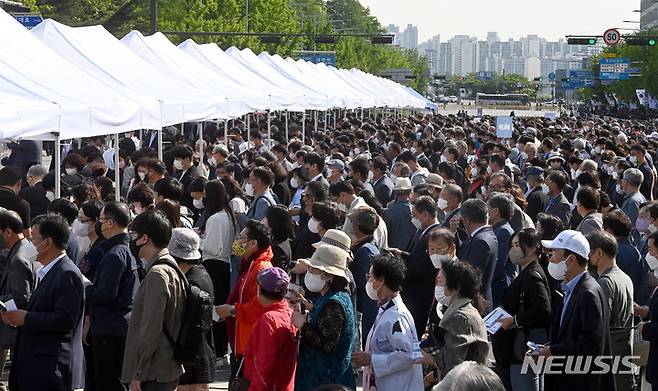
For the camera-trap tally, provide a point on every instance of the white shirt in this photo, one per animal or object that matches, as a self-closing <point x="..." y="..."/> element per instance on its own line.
<point x="41" y="273"/>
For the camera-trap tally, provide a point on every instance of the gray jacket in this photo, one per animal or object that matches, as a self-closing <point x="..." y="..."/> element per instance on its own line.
<point x="17" y="283"/>
<point x="465" y="336"/>
<point x="561" y="208"/>
<point x="590" y="223"/>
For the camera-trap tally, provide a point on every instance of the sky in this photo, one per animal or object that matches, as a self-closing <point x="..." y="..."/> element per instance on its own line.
<point x="552" y="19"/>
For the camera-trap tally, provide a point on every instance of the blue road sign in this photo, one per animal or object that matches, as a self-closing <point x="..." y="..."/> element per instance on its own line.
<point x="615" y="68"/>
<point x="485" y="75"/>
<point x="504" y="127"/>
<point x="551" y="76"/>
<point x="328" y="58"/>
<point x="581" y="74"/>
<point x="29" y="20"/>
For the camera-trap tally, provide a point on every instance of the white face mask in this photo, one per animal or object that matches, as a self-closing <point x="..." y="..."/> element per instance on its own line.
<point x="178" y="164"/>
<point x="313" y="282"/>
<point x="441" y="203"/>
<point x="440" y="295"/>
<point x="50" y="196"/>
<point x="342" y="207"/>
<point x="474" y="172"/>
<point x="198" y="203"/>
<point x="618" y="189"/>
<point x="142" y="175"/>
<point x="371" y="291"/>
<point x="245" y="163"/>
<point x="417" y="223"/>
<point x="556" y="165"/>
<point x="615" y="175"/>
<point x="313" y="225"/>
<point x="249" y="189"/>
<point x="652" y="228"/>
<point x="438" y="259"/>
<point x="294" y="183"/>
<point x="443" y="158"/>
<point x="212" y="161"/>
<point x="516" y="255"/>
<point x="370" y="175"/>
<point x="558" y="270"/>
<point x="544" y="188"/>
<point x="78" y="228"/>
<point x="524" y="156"/>
<point x="489" y="170"/>
<point x="633" y="160"/>
<point x="71" y="171"/>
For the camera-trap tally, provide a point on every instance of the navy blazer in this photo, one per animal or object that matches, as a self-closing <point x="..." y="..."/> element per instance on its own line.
<point x="585" y="331"/>
<point x="401" y="230"/>
<point x="505" y="270"/>
<point x="419" y="281"/>
<point x="44" y="345"/>
<point x="383" y="190"/>
<point x="481" y="251"/>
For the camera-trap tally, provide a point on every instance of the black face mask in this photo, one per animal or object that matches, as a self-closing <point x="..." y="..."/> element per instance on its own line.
<point x="134" y="247"/>
<point x="98" y="230"/>
<point x="99" y="172"/>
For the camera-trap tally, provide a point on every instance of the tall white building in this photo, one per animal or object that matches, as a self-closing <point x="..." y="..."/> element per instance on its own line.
<point x="407" y="39"/>
<point x="530" y="56"/>
<point x="649" y="14"/>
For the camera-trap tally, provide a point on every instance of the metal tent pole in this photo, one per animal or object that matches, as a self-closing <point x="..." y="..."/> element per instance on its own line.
<point x="58" y="167"/>
<point x="117" y="177"/>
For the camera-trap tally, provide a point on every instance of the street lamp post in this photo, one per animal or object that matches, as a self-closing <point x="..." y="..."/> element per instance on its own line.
<point x="154" y="16"/>
<point x="246" y="15"/>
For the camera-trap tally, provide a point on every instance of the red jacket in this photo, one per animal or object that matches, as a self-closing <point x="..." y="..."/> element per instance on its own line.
<point x="271" y="355"/>
<point x="244" y="297"/>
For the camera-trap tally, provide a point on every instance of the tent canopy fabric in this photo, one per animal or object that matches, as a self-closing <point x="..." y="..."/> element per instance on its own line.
<point x="88" y="106"/>
<point x="101" y="54"/>
<point x="82" y="81"/>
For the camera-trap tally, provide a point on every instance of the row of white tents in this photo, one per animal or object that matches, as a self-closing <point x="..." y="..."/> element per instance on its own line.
<point x="63" y="82"/>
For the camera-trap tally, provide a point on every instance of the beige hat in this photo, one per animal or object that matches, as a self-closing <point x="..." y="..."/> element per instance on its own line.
<point x="337" y="238"/>
<point x="329" y="259"/>
<point x="435" y="180"/>
<point x="402" y="184"/>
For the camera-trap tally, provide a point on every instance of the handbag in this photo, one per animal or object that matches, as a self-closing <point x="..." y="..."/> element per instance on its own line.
<point x="520" y="347"/>
<point x="240" y="383"/>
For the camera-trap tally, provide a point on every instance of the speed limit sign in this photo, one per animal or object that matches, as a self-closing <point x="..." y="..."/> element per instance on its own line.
<point x="611" y="37"/>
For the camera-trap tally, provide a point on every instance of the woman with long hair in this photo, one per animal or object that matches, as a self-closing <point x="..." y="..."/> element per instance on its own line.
<point x="219" y="232"/>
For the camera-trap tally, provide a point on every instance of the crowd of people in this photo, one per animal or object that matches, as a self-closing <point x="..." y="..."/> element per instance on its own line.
<point x="367" y="254"/>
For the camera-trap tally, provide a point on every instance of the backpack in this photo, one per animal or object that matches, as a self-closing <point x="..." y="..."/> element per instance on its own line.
<point x="190" y="343"/>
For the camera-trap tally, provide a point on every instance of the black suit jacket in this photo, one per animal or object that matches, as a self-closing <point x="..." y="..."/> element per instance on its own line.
<point x="9" y="200"/>
<point x="188" y="177"/>
<point x="584" y="332"/>
<point x="419" y="282"/>
<point x="481" y="251"/>
<point x="536" y="202"/>
<point x="36" y="197"/>
<point x="44" y="346"/>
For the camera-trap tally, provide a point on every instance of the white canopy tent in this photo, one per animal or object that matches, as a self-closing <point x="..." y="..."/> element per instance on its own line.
<point x="101" y="54"/>
<point x="162" y="54"/>
<point x="87" y="106"/>
<point x="255" y="65"/>
<point x="214" y="58"/>
<point x="334" y="97"/>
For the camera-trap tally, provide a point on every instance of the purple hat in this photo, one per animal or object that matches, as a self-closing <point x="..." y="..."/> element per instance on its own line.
<point x="274" y="280"/>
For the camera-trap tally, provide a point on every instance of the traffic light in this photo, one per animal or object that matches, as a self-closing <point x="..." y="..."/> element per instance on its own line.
<point x="582" y="41"/>
<point x="325" y="39"/>
<point x="270" y="39"/>
<point x="382" y="39"/>
<point x="641" y="41"/>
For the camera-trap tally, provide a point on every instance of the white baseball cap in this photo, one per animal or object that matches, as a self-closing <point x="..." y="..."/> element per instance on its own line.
<point x="569" y="240"/>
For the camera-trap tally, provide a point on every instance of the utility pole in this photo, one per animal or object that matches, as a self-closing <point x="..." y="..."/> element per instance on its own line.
<point x="154" y="16"/>
<point x="246" y="15"/>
